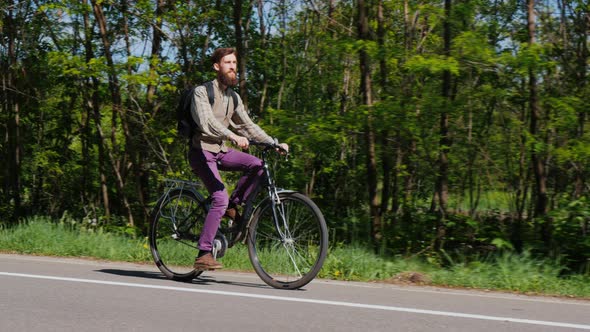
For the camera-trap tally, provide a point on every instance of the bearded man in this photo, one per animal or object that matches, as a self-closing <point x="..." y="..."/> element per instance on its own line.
<point x="218" y="124"/>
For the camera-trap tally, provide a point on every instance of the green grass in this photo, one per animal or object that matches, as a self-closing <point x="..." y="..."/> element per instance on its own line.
<point x="506" y="272"/>
<point x="41" y="237"/>
<point x="517" y="273"/>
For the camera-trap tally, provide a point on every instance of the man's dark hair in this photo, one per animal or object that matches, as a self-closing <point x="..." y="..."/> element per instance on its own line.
<point x="219" y="53"/>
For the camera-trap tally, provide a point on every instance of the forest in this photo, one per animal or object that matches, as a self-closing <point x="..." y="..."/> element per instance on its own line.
<point x="419" y="127"/>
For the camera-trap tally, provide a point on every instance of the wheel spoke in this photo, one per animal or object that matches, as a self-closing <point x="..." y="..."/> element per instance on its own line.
<point x="295" y="265"/>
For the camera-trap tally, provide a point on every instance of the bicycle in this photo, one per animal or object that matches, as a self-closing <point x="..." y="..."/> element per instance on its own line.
<point x="285" y="231"/>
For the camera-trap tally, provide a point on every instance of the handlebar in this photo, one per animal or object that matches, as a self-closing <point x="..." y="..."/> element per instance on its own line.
<point x="269" y="146"/>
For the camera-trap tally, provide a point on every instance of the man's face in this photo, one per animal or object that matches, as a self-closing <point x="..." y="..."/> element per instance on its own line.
<point x="226" y="70"/>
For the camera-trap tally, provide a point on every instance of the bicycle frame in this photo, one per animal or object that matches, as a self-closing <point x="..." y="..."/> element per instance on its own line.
<point x="273" y="195"/>
<point x="272" y="198"/>
<point x="275" y="200"/>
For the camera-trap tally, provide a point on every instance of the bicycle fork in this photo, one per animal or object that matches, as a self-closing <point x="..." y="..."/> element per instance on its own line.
<point x="280" y="217"/>
<point x="278" y="209"/>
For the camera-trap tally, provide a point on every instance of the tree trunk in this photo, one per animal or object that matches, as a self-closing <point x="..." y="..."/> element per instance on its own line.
<point x="241" y="48"/>
<point x="262" y="28"/>
<point x="366" y="91"/>
<point x="540" y="194"/>
<point x="116" y="164"/>
<point x="140" y="169"/>
<point x="12" y="105"/>
<point x="387" y="152"/>
<point x="521" y="183"/>
<point x="94" y="109"/>
<point x="283" y="31"/>
<point x="381" y="32"/>
<point x="537" y="159"/>
<point x="407" y="148"/>
<point x="156" y="47"/>
<point x="582" y="53"/>
<point x="442" y="185"/>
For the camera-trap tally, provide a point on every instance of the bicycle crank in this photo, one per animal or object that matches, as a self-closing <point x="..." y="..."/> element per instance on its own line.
<point x="219" y="246"/>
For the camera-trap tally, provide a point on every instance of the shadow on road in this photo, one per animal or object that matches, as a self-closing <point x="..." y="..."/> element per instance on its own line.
<point x="134" y="273"/>
<point x="200" y="280"/>
<point x="207" y="280"/>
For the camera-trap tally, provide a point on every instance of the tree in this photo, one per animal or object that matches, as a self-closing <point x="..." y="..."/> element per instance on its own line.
<point x="404" y="116"/>
<point x="13" y="20"/>
<point x="367" y="101"/>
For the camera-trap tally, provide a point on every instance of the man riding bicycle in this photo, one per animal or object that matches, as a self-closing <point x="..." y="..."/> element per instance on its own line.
<point x="217" y="124"/>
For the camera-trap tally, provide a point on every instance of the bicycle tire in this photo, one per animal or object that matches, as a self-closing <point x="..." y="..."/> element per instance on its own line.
<point x="175" y="225"/>
<point x="294" y="262"/>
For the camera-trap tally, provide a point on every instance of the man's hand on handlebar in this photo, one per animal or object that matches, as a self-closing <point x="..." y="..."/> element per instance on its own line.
<point x="283" y="148"/>
<point x="240" y="141"/>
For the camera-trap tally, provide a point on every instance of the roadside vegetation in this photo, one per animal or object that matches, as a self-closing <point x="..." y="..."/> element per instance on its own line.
<point x="445" y="142"/>
<point x="501" y="271"/>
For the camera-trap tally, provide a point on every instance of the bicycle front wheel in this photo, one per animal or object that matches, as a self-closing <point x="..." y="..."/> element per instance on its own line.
<point x="175" y="225"/>
<point x="291" y="255"/>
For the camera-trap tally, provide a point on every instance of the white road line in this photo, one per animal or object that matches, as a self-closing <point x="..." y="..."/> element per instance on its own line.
<point x="414" y="289"/>
<point x="324" y="302"/>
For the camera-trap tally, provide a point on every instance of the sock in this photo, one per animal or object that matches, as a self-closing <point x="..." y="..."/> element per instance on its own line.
<point x="202" y="253"/>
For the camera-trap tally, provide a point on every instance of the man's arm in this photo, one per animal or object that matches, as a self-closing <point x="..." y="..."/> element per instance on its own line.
<point x="246" y="127"/>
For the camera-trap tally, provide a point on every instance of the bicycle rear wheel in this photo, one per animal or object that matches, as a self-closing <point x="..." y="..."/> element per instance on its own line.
<point x="175" y="225"/>
<point x="291" y="257"/>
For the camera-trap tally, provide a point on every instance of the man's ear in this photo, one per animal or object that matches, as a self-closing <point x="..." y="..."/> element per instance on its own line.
<point x="216" y="66"/>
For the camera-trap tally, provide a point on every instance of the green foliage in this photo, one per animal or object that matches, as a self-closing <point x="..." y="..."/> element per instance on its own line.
<point x="571" y="232"/>
<point x="432" y="65"/>
<point x="472" y="48"/>
<point x="521" y="273"/>
<point x="79" y="127"/>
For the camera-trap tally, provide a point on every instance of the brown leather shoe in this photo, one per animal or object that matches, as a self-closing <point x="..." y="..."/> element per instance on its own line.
<point x="207" y="262"/>
<point x="233" y="214"/>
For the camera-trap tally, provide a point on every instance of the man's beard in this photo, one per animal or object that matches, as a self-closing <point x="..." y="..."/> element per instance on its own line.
<point x="228" y="80"/>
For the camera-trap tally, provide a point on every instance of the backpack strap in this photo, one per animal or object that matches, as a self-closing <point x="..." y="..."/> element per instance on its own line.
<point x="211" y="94"/>
<point x="234" y="96"/>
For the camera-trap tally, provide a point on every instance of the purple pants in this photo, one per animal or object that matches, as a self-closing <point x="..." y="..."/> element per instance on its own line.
<point x="206" y="165"/>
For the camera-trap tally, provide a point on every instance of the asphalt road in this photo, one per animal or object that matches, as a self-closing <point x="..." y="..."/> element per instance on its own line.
<point x="62" y="294"/>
